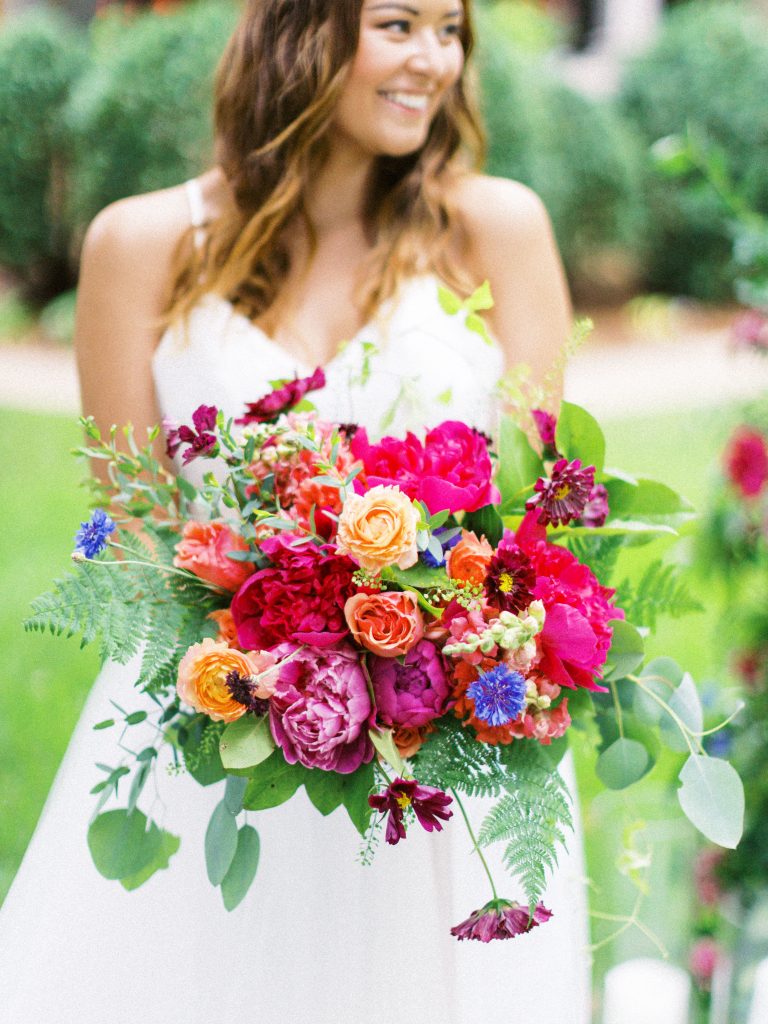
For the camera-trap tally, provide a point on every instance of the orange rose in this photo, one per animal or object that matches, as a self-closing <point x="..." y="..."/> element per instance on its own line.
<point x="378" y="529"/>
<point x="202" y="679"/>
<point x="410" y="740"/>
<point x="225" y="622"/>
<point x="203" y="550"/>
<point x="388" y="624"/>
<point x="469" y="559"/>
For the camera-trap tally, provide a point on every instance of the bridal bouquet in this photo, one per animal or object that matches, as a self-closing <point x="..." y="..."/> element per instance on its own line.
<point x="393" y="625"/>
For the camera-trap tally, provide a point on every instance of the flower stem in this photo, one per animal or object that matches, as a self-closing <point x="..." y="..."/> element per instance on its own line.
<point x="475" y="843"/>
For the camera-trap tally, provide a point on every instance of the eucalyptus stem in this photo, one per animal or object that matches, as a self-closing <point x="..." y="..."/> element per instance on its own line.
<point x="687" y="733"/>
<point x="475" y="843"/>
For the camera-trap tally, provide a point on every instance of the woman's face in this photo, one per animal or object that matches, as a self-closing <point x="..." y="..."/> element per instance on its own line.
<point x="409" y="55"/>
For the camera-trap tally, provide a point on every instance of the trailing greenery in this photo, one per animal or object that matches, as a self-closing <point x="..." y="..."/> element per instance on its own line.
<point x="659" y="591"/>
<point x="453" y="759"/>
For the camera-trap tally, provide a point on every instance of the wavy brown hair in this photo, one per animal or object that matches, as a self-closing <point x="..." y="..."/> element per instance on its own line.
<point x="276" y="92"/>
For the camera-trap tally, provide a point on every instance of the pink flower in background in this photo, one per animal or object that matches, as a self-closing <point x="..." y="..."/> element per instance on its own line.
<point x="546" y="424"/>
<point x="320" y="710"/>
<point x="202" y="443"/>
<point x="500" y="919"/>
<point x="457" y="469"/>
<point x="596" y="510"/>
<point x="390" y="462"/>
<point x="746" y="461"/>
<point x="414" y="692"/>
<point x="300" y="597"/>
<point x="703" y="960"/>
<point x="708" y="889"/>
<point x="203" y="550"/>
<point x="750" y="331"/>
<point x="282" y="398"/>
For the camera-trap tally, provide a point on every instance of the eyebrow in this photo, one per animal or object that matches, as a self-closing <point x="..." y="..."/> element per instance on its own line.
<point x="411" y="10"/>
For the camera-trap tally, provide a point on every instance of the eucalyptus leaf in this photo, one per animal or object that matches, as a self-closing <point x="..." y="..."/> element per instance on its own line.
<point x="622" y="764"/>
<point x="138" y="783"/>
<point x="220" y="842"/>
<point x="272" y="783"/>
<point x="712" y="797"/>
<point x="626" y="652"/>
<point x="686" y="704"/>
<point x="662" y="676"/>
<point x="242" y="870"/>
<point x="421" y="576"/>
<point x="385" y="745"/>
<point x="329" y="790"/>
<point x="122" y="844"/>
<point x="234" y="792"/>
<point x="169" y="845"/>
<point x="246" y="742"/>
<point x="578" y="436"/>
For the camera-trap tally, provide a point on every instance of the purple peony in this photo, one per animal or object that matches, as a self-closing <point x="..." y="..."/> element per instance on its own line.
<point x="500" y="919"/>
<point x="457" y="469"/>
<point x="321" y="710"/>
<point x="414" y="692"/>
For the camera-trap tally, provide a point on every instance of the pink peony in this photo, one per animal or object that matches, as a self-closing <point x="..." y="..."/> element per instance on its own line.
<point x="457" y="469"/>
<point x="414" y="692"/>
<point x="392" y="461"/>
<point x="203" y="550"/>
<point x="300" y="597"/>
<point x="746" y="461"/>
<point x="320" y="711"/>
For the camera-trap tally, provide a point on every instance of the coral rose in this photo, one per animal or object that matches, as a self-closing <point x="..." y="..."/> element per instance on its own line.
<point x="409" y="739"/>
<point x="202" y="678"/>
<point x="203" y="550"/>
<point x="378" y="529"/>
<point x="389" y="624"/>
<point x="470" y="558"/>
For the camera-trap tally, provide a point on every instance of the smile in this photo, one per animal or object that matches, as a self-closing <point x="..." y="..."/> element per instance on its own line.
<point x="407" y="100"/>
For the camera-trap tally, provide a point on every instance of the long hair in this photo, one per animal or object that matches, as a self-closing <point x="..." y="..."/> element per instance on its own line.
<point x="277" y="86"/>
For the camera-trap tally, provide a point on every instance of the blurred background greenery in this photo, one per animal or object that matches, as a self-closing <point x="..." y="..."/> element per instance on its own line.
<point x="93" y="108"/>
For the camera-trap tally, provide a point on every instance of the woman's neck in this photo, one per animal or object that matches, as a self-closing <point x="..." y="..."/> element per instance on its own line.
<point x="336" y="198"/>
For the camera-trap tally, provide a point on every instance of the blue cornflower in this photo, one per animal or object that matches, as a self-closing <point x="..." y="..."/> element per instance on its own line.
<point x="91" y="538"/>
<point x="448" y="537"/>
<point x="499" y="695"/>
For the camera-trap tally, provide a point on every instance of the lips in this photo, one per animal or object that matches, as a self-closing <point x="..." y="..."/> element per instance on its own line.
<point x="417" y="102"/>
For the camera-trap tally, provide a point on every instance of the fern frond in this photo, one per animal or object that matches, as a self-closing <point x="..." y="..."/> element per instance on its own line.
<point x="659" y="591"/>
<point x="452" y="758"/>
<point x="158" y="663"/>
<point x="599" y="553"/>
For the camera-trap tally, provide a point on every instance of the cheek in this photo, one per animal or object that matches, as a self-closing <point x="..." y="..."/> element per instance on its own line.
<point x="374" y="61"/>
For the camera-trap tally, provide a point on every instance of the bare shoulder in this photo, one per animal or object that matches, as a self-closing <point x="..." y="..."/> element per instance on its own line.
<point x="494" y="210"/>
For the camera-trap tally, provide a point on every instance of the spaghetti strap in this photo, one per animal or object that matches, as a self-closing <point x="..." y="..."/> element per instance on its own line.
<point x="196" y="210"/>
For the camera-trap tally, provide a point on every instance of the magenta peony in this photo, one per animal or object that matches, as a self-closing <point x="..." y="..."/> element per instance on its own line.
<point x="414" y="692"/>
<point x="320" y="711"/>
<point x="457" y="469"/>
<point x="300" y="597"/>
<point x="390" y="462"/>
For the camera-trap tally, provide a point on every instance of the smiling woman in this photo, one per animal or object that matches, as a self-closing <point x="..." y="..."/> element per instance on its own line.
<point x="345" y="191"/>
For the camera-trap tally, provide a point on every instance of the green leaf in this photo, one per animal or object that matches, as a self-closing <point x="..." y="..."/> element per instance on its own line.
<point x="476" y="324"/>
<point x="234" y="793"/>
<point x="139" y="781"/>
<point x="623" y="763"/>
<point x="481" y="298"/>
<point x="385" y="745"/>
<point x="220" y="842"/>
<point x="663" y="676"/>
<point x="519" y="465"/>
<point x="242" y="870"/>
<point x="245" y="743"/>
<point x="329" y="790"/>
<point x="686" y="704"/>
<point x="201" y="751"/>
<point x="272" y="783"/>
<point x="644" y="498"/>
<point x="626" y="652"/>
<point x="105" y="724"/>
<point x="712" y="797"/>
<point x="449" y="302"/>
<point x="578" y="436"/>
<point x="486" y="521"/>
<point x="122" y="844"/>
<point x="136" y="717"/>
<point x="421" y="576"/>
<point x="169" y="845"/>
<point x="187" y="489"/>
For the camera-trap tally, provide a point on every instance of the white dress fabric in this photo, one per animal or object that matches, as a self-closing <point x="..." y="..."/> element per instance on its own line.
<point x="320" y="938"/>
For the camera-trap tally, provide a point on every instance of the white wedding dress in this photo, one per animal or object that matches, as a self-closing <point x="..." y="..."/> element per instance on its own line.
<point x="320" y="939"/>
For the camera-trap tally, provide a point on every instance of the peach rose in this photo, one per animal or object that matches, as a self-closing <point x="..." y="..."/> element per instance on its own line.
<point x="378" y="529"/>
<point x="389" y="624"/>
<point x="226" y="623"/>
<point x="409" y="741"/>
<point x="202" y="679"/>
<point x="469" y="559"/>
<point x="203" y="550"/>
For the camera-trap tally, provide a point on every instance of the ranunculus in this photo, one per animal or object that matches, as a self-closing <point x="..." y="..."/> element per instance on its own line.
<point x="470" y="559"/>
<point x="746" y="461"/>
<point x="203" y="550"/>
<point x="457" y="469"/>
<point x="282" y="398"/>
<point x="414" y="692"/>
<point x="393" y="461"/>
<point x="300" y="597"/>
<point x="320" y="711"/>
<point x="378" y="529"/>
<point x="389" y="623"/>
<point x="202" y="677"/>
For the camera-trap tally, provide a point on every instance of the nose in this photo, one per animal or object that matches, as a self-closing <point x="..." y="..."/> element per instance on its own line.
<point x="427" y="54"/>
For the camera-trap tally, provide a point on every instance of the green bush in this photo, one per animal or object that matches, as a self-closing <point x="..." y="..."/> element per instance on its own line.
<point x="140" y="118"/>
<point x="708" y="68"/>
<point x="41" y="56"/>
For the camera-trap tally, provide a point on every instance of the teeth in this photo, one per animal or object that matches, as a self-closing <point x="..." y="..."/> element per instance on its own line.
<point x="409" y="100"/>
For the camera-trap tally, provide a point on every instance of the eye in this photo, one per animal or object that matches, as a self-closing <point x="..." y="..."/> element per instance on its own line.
<point x="451" y="30"/>
<point x="401" y="26"/>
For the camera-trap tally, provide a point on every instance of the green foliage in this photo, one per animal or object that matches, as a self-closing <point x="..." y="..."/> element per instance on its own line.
<point x="708" y="69"/>
<point x="453" y="759"/>
<point x="199" y="739"/>
<point x="140" y="117"/>
<point x="598" y="552"/>
<point x="41" y="57"/>
<point x="660" y="590"/>
<point x="531" y="817"/>
<point x="242" y="870"/>
<point x="126" y="846"/>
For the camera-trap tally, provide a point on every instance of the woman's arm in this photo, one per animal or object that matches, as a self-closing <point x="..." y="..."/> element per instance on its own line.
<point x="511" y="244"/>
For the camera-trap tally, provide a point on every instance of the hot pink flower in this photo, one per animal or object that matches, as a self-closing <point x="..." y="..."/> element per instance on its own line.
<point x="500" y="919"/>
<point x="746" y="461"/>
<point x="282" y="398"/>
<point x="429" y="804"/>
<point x="320" y="711"/>
<point x="300" y="597"/>
<point x="392" y="461"/>
<point x="457" y="469"/>
<point x="414" y="692"/>
<point x="204" y="549"/>
<point x="703" y="960"/>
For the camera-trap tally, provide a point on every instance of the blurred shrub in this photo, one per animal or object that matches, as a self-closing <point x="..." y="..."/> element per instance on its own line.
<point x="526" y="25"/>
<point x="41" y="57"/>
<point x="575" y="152"/>
<point x="140" y="118"/>
<point x="709" y="69"/>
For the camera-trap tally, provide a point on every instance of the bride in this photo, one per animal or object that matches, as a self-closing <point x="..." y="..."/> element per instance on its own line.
<point x="344" y="190"/>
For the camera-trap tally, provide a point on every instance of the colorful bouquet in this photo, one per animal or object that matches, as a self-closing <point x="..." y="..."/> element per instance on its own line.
<point x="390" y="624"/>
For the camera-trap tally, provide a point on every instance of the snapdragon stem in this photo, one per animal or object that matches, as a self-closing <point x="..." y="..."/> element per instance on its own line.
<point x="475" y="843"/>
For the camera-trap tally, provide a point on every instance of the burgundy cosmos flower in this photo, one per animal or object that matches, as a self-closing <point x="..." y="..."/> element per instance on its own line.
<point x="510" y="579"/>
<point x="429" y="804"/>
<point x="500" y="919"/>
<point x="201" y="442"/>
<point x="596" y="510"/>
<point x="565" y="494"/>
<point x="283" y="398"/>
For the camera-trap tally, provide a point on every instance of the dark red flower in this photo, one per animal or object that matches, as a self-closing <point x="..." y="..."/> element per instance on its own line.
<point x="429" y="804"/>
<point x="282" y="399"/>
<point x="596" y="510"/>
<point x="746" y="461"/>
<point x="501" y="919"/>
<point x="546" y="424"/>
<point x="510" y="579"/>
<point x="201" y="442"/>
<point x="565" y="494"/>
